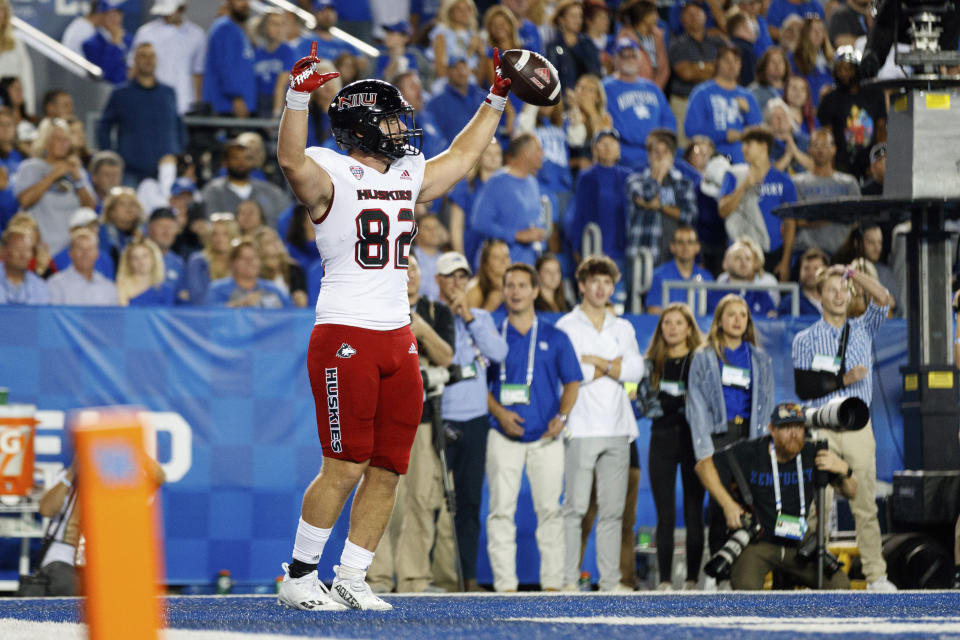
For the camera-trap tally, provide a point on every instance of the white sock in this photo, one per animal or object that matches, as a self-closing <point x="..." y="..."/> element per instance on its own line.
<point x="308" y="546"/>
<point x="354" y="561"/>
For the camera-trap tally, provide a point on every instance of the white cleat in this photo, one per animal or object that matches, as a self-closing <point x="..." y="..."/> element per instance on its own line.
<point x="306" y="593"/>
<point x="356" y="594"/>
<point x="883" y="585"/>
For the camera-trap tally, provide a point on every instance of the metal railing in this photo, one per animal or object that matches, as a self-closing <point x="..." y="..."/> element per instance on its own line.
<point x="697" y="292"/>
<point x="54" y="51"/>
<point x="641" y="271"/>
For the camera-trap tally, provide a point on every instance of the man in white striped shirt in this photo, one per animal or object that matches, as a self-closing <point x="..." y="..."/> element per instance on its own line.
<point x="834" y="358"/>
<point x="601" y="427"/>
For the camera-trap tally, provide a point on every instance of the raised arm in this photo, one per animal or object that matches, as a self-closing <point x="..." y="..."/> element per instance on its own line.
<point x="446" y="169"/>
<point x="310" y="184"/>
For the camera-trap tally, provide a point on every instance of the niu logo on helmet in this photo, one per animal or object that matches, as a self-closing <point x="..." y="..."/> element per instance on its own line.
<point x="357" y="100"/>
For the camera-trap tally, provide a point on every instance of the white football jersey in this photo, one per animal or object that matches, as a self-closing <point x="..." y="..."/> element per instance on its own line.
<point x="364" y="240"/>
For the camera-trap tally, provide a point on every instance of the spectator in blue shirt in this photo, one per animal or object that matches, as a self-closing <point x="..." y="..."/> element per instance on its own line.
<point x="453" y="106"/>
<point x="753" y="9"/>
<point x="508" y="206"/>
<point x="162" y="229"/>
<point x="463" y="237"/>
<point x="721" y="109"/>
<point x="229" y="82"/>
<point x="528" y="415"/>
<point x="395" y="58"/>
<point x="109" y="46"/>
<point x="141" y="281"/>
<point x="684" y="248"/>
<point x="10" y="155"/>
<point x="529" y="34"/>
<point x="779" y="10"/>
<point x="811" y="262"/>
<point x="812" y="57"/>
<point x="329" y="47"/>
<point x="411" y="88"/>
<point x="600" y="198"/>
<point x="748" y="196"/>
<point x="19" y="285"/>
<point x="142" y="116"/>
<point x="213" y="261"/>
<point x="273" y="59"/>
<point x="244" y="287"/>
<point x="636" y="104"/>
<point x="554" y="177"/>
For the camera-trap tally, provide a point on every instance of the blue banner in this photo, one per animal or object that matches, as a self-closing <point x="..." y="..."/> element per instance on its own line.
<point x="228" y="396"/>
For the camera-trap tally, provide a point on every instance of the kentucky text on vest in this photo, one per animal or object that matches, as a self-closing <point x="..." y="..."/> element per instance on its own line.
<point x="373" y="194"/>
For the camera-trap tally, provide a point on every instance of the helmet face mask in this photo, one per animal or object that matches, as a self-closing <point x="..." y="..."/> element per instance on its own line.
<point x="372" y="116"/>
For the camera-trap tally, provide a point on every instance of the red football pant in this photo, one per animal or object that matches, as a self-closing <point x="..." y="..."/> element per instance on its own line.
<point x="368" y="393"/>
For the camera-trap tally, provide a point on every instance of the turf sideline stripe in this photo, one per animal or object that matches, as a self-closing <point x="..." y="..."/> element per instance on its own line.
<point x="11" y="629"/>
<point x="825" y="625"/>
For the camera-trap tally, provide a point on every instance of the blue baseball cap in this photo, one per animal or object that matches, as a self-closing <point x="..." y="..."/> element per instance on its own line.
<point x="323" y="4"/>
<point x="108" y="5"/>
<point x="398" y="27"/>
<point x="625" y="43"/>
<point x="182" y="185"/>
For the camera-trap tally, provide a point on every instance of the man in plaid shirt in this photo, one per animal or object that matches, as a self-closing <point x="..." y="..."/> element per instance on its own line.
<point x="659" y="198"/>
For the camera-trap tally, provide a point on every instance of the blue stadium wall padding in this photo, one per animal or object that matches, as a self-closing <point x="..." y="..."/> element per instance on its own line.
<point x="238" y="378"/>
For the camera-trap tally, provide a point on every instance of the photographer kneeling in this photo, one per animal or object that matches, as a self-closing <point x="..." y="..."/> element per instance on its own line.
<point x="763" y="474"/>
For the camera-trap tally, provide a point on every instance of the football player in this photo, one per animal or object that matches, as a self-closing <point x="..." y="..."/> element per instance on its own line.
<point x="362" y="357"/>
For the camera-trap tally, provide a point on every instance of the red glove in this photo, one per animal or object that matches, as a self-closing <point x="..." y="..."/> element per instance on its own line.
<point x="304" y="77"/>
<point x="501" y="85"/>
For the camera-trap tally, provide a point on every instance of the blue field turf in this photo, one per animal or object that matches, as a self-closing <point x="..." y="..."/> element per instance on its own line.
<point x="522" y="617"/>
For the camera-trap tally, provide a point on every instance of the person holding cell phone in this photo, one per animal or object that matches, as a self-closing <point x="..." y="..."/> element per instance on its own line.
<point x="730" y="392"/>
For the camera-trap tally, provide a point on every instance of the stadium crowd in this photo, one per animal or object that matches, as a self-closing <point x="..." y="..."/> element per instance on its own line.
<point x="681" y="129"/>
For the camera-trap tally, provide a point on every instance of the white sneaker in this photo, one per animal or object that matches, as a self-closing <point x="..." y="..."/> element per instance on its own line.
<point x="883" y="585"/>
<point x="709" y="584"/>
<point x="305" y="592"/>
<point x="664" y="586"/>
<point x="356" y="594"/>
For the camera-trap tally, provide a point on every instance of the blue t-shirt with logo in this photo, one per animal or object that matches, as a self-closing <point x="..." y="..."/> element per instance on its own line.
<point x="637" y="108"/>
<point x="713" y="110"/>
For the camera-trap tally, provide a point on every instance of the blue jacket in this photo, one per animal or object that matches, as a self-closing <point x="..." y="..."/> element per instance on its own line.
<point x="706" y="410"/>
<point x="228" y="72"/>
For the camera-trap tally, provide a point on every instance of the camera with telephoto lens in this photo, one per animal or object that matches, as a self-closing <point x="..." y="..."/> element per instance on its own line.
<point x="718" y="567"/>
<point x="841" y="414"/>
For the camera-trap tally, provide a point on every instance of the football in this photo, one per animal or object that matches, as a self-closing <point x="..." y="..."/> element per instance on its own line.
<point x="532" y="78"/>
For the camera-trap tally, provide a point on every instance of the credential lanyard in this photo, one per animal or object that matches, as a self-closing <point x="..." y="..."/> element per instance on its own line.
<point x="531" y="353"/>
<point x="776" y="483"/>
